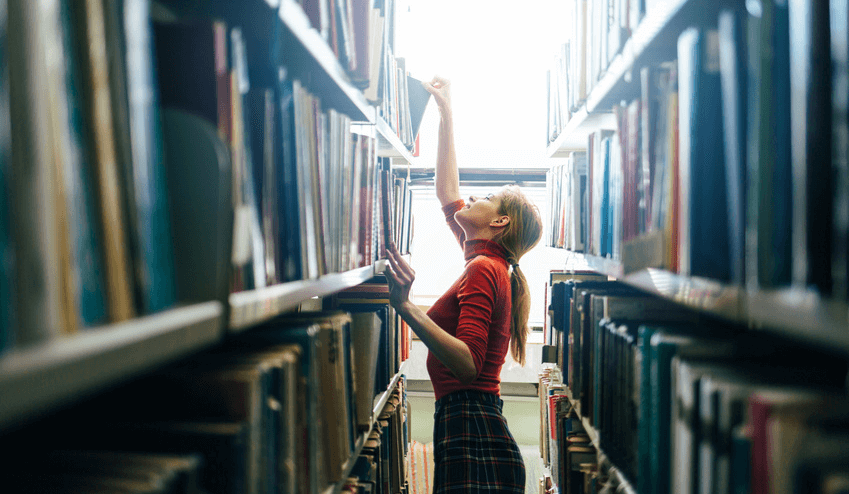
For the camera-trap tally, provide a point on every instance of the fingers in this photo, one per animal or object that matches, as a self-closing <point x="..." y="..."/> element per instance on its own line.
<point x="399" y="264"/>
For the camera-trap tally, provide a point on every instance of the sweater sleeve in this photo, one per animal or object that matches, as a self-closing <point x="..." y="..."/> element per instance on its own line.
<point x="477" y="300"/>
<point x="449" y="210"/>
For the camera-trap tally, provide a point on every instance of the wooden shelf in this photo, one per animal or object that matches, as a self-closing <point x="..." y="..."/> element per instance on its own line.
<point x="390" y="145"/>
<point x="379" y="402"/>
<point x="574" y="135"/>
<point x="802" y="315"/>
<point x="336" y="87"/>
<point x="252" y="307"/>
<point x="653" y="42"/>
<point x="43" y="377"/>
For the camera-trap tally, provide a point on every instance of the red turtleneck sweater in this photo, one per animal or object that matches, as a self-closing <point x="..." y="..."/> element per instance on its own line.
<point x="476" y="310"/>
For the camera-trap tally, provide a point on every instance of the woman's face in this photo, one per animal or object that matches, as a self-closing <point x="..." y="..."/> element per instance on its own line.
<point x="479" y="212"/>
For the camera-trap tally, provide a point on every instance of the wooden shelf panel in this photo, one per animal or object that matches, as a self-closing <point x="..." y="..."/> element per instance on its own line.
<point x="336" y="87"/>
<point x="38" y="379"/>
<point x="249" y="308"/>
<point x="574" y="135"/>
<point x="802" y="315"/>
<point x="390" y="145"/>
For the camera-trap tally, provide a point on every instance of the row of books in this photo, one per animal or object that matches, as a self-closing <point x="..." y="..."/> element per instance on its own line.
<point x="280" y="408"/>
<point x="572" y="461"/>
<point x="361" y="34"/>
<point x="85" y="232"/>
<point x="731" y="157"/>
<point x="685" y="404"/>
<point x="173" y="166"/>
<point x="356" y="32"/>
<point x="382" y="468"/>
<point x="596" y="32"/>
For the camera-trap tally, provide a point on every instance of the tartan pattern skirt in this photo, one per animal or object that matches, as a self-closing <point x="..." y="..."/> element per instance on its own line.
<point x="474" y="452"/>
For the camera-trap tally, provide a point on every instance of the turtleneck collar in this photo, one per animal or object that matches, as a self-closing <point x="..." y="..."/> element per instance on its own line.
<point x="479" y="246"/>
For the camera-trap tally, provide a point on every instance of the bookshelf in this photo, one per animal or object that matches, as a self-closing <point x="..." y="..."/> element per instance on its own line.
<point x="692" y="185"/>
<point x="47" y="378"/>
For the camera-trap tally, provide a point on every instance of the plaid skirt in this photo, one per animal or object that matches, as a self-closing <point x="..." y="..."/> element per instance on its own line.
<point x="474" y="452"/>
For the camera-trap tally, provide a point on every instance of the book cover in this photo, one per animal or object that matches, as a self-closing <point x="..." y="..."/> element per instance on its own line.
<point x="769" y="173"/>
<point x="289" y="206"/>
<point x="199" y="181"/>
<point x="838" y="13"/>
<point x="732" y="65"/>
<point x="100" y="118"/>
<point x="704" y="231"/>
<point x="811" y="137"/>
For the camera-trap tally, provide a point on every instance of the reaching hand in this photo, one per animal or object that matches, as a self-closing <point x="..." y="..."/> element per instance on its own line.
<point x="440" y="88"/>
<point x="400" y="277"/>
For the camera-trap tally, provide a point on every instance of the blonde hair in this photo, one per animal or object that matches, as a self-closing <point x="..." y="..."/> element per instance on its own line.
<point x="520" y="235"/>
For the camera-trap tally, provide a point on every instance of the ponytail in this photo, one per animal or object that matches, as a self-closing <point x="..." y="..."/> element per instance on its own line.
<point x="520" y="312"/>
<point x="520" y="235"/>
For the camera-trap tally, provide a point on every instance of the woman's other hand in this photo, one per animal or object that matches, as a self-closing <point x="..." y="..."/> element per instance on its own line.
<point x="440" y="88"/>
<point x="400" y="277"/>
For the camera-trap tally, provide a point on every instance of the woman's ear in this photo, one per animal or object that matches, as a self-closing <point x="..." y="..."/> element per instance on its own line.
<point x="500" y="222"/>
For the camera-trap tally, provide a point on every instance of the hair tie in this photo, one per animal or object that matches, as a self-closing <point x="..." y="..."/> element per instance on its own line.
<point x="515" y="266"/>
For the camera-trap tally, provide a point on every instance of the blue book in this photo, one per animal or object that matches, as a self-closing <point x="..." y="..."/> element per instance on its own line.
<point x="293" y="265"/>
<point x="248" y="209"/>
<point x="7" y="279"/>
<point x="705" y="242"/>
<point x="200" y="186"/>
<point x="839" y="13"/>
<point x="665" y="347"/>
<point x="732" y="66"/>
<point x="645" y="478"/>
<point x="811" y="116"/>
<point x="606" y="213"/>
<point x="79" y="188"/>
<point x="769" y="193"/>
<point x="139" y="138"/>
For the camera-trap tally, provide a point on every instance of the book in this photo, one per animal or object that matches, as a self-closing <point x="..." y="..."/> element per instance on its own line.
<point x="86" y="260"/>
<point x="732" y="62"/>
<point x="366" y="331"/>
<point x="811" y="137"/>
<point x="248" y="248"/>
<point x="138" y="138"/>
<point x="199" y="179"/>
<point x="419" y="98"/>
<point x="703" y="232"/>
<point x="839" y="35"/>
<point x="7" y="276"/>
<point x="292" y="251"/>
<point x="99" y="97"/>
<point x="769" y="173"/>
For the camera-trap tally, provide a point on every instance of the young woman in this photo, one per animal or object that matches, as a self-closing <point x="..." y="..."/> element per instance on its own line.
<point x="469" y="330"/>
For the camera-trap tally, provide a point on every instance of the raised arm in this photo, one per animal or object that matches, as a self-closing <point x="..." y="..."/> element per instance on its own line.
<point x="447" y="177"/>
